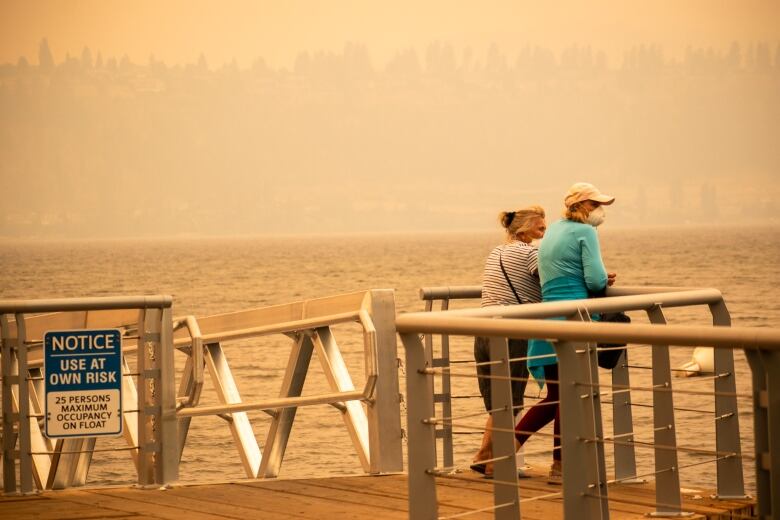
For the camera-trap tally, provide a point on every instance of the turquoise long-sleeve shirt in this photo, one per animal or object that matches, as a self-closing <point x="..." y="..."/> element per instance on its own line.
<point x="570" y="266"/>
<point x="571" y="249"/>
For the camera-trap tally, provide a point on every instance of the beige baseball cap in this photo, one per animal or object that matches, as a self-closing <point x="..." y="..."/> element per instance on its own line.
<point x="586" y="191"/>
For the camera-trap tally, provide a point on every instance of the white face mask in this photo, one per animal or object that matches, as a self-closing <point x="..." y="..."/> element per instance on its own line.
<point x="596" y="217"/>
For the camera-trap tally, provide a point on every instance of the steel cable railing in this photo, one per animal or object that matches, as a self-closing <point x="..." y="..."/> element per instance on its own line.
<point x="465" y="322"/>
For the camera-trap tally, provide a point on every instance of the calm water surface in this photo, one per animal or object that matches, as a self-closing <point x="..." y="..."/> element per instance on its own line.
<point x="207" y="276"/>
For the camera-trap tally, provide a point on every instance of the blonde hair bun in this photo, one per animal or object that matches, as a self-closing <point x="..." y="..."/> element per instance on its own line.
<point x="519" y="221"/>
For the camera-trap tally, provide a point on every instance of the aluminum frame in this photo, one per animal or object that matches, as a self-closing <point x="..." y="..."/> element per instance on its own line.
<point x="762" y="347"/>
<point x="730" y="482"/>
<point x="157" y="416"/>
<point x="44" y="463"/>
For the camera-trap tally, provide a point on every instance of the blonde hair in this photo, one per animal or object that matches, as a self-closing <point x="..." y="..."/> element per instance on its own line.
<point x="576" y="212"/>
<point x="518" y="222"/>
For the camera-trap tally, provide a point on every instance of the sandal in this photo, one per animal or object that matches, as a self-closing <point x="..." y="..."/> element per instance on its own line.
<point x="480" y="468"/>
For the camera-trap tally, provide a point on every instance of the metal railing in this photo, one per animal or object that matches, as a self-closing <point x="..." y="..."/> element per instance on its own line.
<point x="157" y="416"/>
<point x="583" y="442"/>
<point x="149" y="419"/>
<point x="375" y="432"/>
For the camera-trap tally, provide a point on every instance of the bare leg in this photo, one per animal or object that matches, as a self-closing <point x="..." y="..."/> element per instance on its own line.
<point x="486" y="449"/>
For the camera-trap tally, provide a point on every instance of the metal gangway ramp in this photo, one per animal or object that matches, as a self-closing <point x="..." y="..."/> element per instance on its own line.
<point x="157" y="415"/>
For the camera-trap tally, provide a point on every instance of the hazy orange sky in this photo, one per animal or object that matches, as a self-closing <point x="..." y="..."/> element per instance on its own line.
<point x="177" y="31"/>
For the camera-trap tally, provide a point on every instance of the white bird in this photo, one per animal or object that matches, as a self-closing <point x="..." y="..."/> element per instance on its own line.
<point x="703" y="361"/>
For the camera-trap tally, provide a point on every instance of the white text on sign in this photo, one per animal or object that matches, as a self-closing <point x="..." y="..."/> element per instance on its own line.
<point x="83" y="342"/>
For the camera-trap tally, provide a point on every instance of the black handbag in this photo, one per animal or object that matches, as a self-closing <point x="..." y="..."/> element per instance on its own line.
<point x="609" y="358"/>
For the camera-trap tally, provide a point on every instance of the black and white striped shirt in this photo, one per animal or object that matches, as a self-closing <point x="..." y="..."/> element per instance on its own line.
<point x="521" y="266"/>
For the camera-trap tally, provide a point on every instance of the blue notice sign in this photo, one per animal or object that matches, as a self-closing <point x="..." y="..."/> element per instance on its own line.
<point x="83" y="370"/>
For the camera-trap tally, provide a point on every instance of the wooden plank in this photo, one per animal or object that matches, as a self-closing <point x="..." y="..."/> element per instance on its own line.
<point x="55" y="510"/>
<point x="330" y="504"/>
<point x="479" y="493"/>
<point x="348" y="498"/>
<point x="248" y="498"/>
<point x="452" y="500"/>
<point x="8" y="499"/>
<point x="194" y="502"/>
<point x="383" y="485"/>
<point x="538" y="485"/>
<point x="128" y="505"/>
<point x="303" y="505"/>
<point x="646" y="498"/>
<point x="483" y="497"/>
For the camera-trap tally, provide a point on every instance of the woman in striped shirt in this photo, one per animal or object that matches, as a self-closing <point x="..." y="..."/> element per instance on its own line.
<point x="510" y="278"/>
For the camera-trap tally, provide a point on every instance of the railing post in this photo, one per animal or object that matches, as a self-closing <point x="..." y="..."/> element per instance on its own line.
<point x="421" y="451"/>
<point x="766" y="428"/>
<point x="130" y="401"/>
<point x="25" y="444"/>
<point x="730" y="479"/>
<point x="584" y="471"/>
<point x="145" y="406"/>
<point x="623" y="424"/>
<point x="8" y="358"/>
<point x="443" y="431"/>
<point x="158" y="442"/>
<point x="445" y="397"/>
<point x="167" y="469"/>
<point x="384" y="414"/>
<point x="504" y="470"/>
<point x="429" y="361"/>
<point x="667" y="481"/>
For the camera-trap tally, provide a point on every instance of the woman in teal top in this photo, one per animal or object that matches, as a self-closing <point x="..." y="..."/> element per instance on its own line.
<point x="570" y="267"/>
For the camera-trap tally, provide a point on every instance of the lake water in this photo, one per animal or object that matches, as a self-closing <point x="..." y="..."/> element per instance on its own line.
<point x="207" y="276"/>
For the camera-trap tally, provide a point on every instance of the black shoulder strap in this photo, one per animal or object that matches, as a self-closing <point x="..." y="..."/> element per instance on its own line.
<point x="501" y="263"/>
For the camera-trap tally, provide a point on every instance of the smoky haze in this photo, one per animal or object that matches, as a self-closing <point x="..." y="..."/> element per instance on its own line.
<point x="438" y="136"/>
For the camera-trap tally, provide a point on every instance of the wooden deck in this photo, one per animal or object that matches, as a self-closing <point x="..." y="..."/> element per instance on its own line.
<point x="344" y="498"/>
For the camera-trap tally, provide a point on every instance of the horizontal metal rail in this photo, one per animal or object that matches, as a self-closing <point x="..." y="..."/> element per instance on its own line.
<point x="612" y="304"/>
<point x="459" y="292"/>
<point x="86" y="304"/>
<point x="276" y="328"/>
<point x="465" y="292"/>
<point x="684" y="335"/>
<point x="287" y="402"/>
<point x="362" y="316"/>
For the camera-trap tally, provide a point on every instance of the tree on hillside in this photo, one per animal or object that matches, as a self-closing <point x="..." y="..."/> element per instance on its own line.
<point x="45" y="58"/>
<point x="86" y="58"/>
<point x="203" y="65"/>
<point x="777" y="56"/>
<point x="734" y="58"/>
